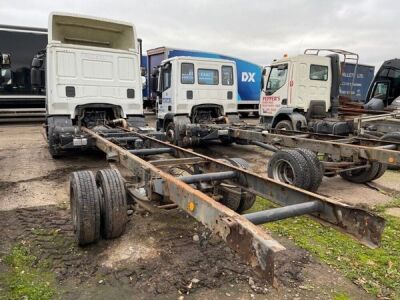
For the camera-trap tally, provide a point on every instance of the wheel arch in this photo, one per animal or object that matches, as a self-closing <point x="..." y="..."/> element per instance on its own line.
<point x="290" y="114"/>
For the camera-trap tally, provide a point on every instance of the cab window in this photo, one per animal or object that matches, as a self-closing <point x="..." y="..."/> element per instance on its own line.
<point x="227" y="75"/>
<point x="166" y="77"/>
<point x="380" y="90"/>
<point x="207" y="76"/>
<point x="318" y="72"/>
<point x="277" y="78"/>
<point x="187" y="73"/>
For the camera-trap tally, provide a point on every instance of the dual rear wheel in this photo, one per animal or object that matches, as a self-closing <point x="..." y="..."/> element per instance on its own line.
<point x="298" y="167"/>
<point x="98" y="205"/>
<point x="302" y="168"/>
<point x="374" y="171"/>
<point x="233" y="196"/>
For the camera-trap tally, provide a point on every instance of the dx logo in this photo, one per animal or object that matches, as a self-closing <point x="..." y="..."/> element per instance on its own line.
<point x="248" y="77"/>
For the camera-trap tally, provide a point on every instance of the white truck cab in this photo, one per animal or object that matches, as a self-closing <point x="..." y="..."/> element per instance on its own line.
<point x="193" y="90"/>
<point x="299" y="89"/>
<point x="92" y="71"/>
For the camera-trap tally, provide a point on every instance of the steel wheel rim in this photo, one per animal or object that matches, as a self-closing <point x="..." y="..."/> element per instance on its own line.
<point x="284" y="172"/>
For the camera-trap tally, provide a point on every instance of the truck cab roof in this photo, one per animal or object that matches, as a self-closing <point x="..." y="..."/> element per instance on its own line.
<point x="68" y="28"/>
<point x="304" y="58"/>
<point x="199" y="59"/>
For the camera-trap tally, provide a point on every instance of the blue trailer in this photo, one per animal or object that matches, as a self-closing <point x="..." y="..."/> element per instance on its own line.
<point x="362" y="81"/>
<point x="143" y="64"/>
<point x="249" y="75"/>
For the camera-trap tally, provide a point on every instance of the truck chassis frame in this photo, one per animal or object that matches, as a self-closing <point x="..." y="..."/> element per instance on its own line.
<point x="240" y="232"/>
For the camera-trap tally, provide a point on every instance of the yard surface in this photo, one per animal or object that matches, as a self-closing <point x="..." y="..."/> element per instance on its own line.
<point x="157" y="257"/>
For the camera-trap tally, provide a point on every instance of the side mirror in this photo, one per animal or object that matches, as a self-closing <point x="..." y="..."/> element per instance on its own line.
<point x="36" y="78"/>
<point x="5" y="60"/>
<point x="143" y="71"/>
<point x="262" y="79"/>
<point x="144" y="82"/>
<point x="154" y="72"/>
<point x="5" y="77"/>
<point x="36" y="62"/>
<point x="154" y="84"/>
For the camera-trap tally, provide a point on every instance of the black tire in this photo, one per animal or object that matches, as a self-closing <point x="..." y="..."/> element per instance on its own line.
<point x="392" y="137"/>
<point x="239" y="200"/>
<point x="54" y="148"/>
<point x="381" y="171"/>
<point x="239" y="162"/>
<point x="290" y="167"/>
<point x="226" y="140"/>
<point x="284" y="125"/>
<point x="247" y="199"/>
<point x="246" y="202"/>
<point x="113" y="203"/>
<point x="244" y="114"/>
<point x="85" y="207"/>
<point x="314" y="165"/>
<point x="230" y="197"/>
<point x="171" y="133"/>
<point x="362" y="175"/>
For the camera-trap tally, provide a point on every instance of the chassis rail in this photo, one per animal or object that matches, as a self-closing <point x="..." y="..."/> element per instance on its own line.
<point x="352" y="147"/>
<point x="252" y="243"/>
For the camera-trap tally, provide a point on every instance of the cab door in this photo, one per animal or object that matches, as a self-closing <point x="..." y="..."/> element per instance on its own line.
<point x="275" y="94"/>
<point x="312" y="83"/>
<point x="165" y="94"/>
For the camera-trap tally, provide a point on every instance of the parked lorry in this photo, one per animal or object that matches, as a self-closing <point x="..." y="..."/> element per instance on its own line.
<point x="92" y="77"/>
<point x="17" y="97"/>
<point x="384" y="91"/>
<point x="247" y="78"/>
<point x="192" y="91"/>
<point x="303" y="93"/>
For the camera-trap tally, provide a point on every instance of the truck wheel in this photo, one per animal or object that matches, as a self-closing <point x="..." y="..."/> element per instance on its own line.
<point x="226" y="140"/>
<point x="85" y="207"/>
<point x="362" y="175"/>
<point x="171" y="133"/>
<point x="242" y="200"/>
<point x="244" y="114"/>
<point x="314" y="165"/>
<point x="382" y="170"/>
<point x="239" y="162"/>
<point x="290" y="167"/>
<point x="113" y="203"/>
<point x="392" y="137"/>
<point x="230" y="196"/>
<point x="54" y="149"/>
<point x="284" y="125"/>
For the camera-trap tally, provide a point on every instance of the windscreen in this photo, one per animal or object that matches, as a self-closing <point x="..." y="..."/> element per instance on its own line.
<point x="277" y="78"/>
<point x="391" y="74"/>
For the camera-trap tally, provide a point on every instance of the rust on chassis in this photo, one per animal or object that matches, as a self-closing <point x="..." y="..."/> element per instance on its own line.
<point x="362" y="225"/>
<point x="253" y="244"/>
<point x="336" y="148"/>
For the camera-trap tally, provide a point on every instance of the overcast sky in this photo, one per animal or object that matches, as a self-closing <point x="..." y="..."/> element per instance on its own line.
<point x="255" y="30"/>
